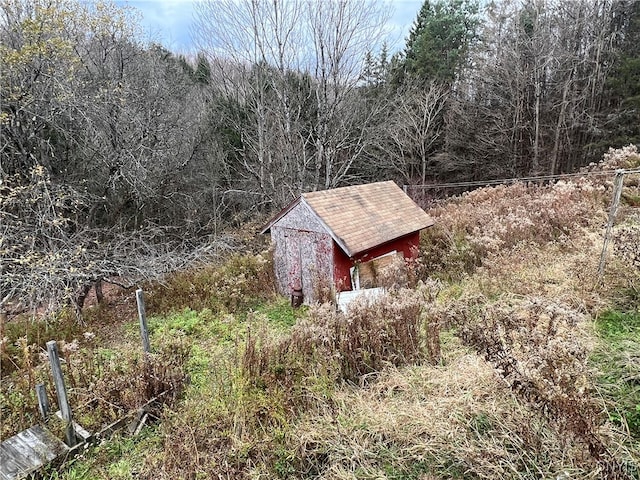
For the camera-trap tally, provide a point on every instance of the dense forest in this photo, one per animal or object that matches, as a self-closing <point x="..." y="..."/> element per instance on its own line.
<point x="118" y="156"/>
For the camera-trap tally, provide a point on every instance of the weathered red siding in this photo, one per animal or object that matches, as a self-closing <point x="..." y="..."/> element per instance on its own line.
<point x="408" y="245"/>
<point x="341" y="265"/>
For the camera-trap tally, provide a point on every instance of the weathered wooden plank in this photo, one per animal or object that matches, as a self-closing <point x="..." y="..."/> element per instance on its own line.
<point x="28" y="451"/>
<point x="82" y="435"/>
<point x="370" y="273"/>
<point x="43" y="400"/>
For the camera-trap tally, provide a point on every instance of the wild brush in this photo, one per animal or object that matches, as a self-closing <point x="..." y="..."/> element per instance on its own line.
<point x="428" y="422"/>
<point x="392" y="330"/>
<point x="141" y="379"/>
<point x="627" y="244"/>
<point x="240" y="283"/>
<point x="472" y="228"/>
<point x="615" y="158"/>
<point x="491" y="220"/>
<point x="532" y="345"/>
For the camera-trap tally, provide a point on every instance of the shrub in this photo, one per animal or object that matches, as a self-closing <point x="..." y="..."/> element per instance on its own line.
<point x="490" y="221"/>
<point x="102" y="384"/>
<point x="626" y="241"/>
<point x="240" y="283"/>
<point x="391" y="330"/>
<point x="625" y="157"/>
<point x="532" y="344"/>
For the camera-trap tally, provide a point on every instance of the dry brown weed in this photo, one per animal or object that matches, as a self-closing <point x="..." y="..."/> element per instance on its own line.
<point x="434" y="421"/>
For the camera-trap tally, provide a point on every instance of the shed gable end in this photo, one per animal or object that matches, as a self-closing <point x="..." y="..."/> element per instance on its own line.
<point x="300" y="217"/>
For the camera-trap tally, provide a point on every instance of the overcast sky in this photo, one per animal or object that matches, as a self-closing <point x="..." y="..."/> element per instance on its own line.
<point x="168" y="21"/>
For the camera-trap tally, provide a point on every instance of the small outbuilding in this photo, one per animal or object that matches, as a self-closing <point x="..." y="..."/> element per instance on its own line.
<point x="324" y="240"/>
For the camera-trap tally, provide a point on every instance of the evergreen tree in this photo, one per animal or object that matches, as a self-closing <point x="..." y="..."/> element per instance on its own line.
<point x="203" y="70"/>
<point x="622" y="124"/>
<point x="376" y="68"/>
<point x="368" y="75"/>
<point x="186" y="66"/>
<point x="439" y="39"/>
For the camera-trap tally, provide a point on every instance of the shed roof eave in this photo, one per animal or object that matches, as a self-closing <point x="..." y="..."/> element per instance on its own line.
<point x="282" y="213"/>
<point x="371" y="247"/>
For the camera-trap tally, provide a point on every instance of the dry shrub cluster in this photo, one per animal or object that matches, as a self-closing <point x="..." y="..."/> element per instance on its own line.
<point x="626" y="158"/>
<point x="141" y="379"/>
<point x="390" y="330"/>
<point x="616" y="158"/>
<point x="238" y="284"/>
<point x="492" y="220"/>
<point x="551" y="272"/>
<point x="626" y="245"/>
<point x="478" y="225"/>
<point x="102" y="384"/>
<point x="536" y="348"/>
<point x="428" y="422"/>
<point x="626" y="242"/>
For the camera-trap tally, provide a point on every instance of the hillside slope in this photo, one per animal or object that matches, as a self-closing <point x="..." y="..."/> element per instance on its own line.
<point x="506" y="357"/>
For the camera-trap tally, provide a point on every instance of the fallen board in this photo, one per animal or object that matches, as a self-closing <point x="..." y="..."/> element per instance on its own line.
<point x="29" y="451"/>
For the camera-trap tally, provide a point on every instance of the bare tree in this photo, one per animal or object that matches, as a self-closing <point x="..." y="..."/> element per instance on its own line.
<point x="342" y="33"/>
<point x="37" y="64"/>
<point x="409" y="134"/>
<point x="256" y="50"/>
<point x="50" y="258"/>
<point x="100" y="154"/>
<point x="293" y="69"/>
<point x="534" y="86"/>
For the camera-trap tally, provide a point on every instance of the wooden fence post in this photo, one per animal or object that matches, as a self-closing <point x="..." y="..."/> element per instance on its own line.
<point x="43" y="401"/>
<point x="61" y="392"/>
<point x="3" y="321"/>
<point x="144" y="331"/>
<point x="617" y="193"/>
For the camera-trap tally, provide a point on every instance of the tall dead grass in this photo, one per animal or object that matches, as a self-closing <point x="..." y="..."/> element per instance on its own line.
<point x="392" y="330"/>
<point x="473" y="229"/>
<point x="536" y="346"/>
<point x="428" y="422"/>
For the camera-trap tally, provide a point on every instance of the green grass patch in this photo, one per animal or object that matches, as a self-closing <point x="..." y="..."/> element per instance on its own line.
<point x="186" y="322"/>
<point x="120" y="458"/>
<point x="618" y="359"/>
<point x="198" y="367"/>
<point x="617" y="326"/>
<point x="223" y="328"/>
<point x="280" y="313"/>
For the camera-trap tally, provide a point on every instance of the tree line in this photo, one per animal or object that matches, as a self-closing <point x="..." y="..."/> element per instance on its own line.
<point x="111" y="146"/>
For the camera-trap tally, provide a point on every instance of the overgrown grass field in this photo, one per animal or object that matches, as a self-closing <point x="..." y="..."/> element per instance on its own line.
<point x="507" y="357"/>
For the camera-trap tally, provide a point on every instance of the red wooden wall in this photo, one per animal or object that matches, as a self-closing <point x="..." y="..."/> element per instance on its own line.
<point x="408" y="245"/>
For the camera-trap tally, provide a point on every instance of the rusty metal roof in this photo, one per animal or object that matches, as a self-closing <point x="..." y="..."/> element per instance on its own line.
<point x="364" y="216"/>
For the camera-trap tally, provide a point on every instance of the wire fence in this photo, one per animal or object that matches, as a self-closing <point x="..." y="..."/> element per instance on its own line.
<point x="427" y="194"/>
